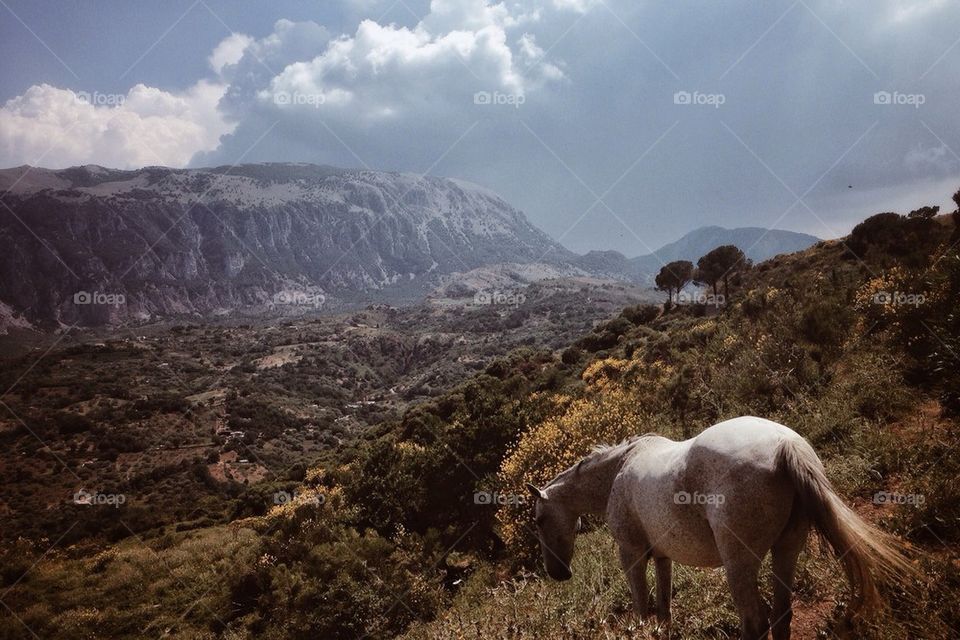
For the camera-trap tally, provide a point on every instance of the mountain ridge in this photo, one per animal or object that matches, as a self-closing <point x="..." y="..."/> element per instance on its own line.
<point x="201" y="241"/>
<point x="142" y="244"/>
<point x="758" y="243"/>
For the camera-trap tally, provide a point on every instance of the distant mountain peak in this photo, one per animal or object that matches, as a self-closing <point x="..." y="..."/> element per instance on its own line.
<point x="757" y="243"/>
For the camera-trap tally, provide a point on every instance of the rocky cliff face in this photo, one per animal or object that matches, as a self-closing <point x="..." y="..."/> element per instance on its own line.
<point x="91" y="245"/>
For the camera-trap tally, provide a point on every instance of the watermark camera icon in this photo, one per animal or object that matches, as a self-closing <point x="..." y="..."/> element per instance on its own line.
<point x="483" y="497"/>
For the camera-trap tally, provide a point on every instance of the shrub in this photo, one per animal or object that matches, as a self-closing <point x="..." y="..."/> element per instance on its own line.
<point x="826" y="323"/>
<point x="880" y="231"/>
<point x="548" y="448"/>
<point x="641" y="313"/>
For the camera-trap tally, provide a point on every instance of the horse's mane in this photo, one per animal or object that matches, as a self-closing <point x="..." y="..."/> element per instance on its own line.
<point x="626" y="442"/>
<point x="601" y="449"/>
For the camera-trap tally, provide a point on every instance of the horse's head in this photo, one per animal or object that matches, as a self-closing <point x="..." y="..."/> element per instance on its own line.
<point x="557" y="527"/>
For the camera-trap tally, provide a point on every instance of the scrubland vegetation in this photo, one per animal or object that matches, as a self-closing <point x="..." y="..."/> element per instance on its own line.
<point x="420" y="526"/>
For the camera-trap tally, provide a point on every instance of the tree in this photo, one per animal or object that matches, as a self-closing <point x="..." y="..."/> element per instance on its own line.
<point x="674" y="277"/>
<point x="720" y="264"/>
<point x="955" y="216"/>
<point x="882" y="230"/>
<point x="924" y="213"/>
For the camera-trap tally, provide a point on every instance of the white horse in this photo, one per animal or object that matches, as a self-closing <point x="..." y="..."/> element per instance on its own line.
<point x="741" y="488"/>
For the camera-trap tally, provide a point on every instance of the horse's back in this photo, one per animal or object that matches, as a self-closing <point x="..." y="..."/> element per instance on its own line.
<point x="746" y="441"/>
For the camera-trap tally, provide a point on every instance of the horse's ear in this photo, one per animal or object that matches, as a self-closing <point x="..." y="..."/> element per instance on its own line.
<point x="536" y="492"/>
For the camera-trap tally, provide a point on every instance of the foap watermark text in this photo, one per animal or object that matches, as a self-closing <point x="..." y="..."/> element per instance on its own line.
<point x="96" y="498"/>
<point x="499" y="297"/>
<point x="685" y="497"/>
<point x="896" y="98"/>
<point x="697" y="98"/>
<point x="898" y="299"/>
<point x="495" y="497"/>
<point x="499" y="98"/>
<point x="99" y="297"/>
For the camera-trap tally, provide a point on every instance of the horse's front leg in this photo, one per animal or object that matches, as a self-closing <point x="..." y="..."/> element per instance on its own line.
<point x="664" y="568"/>
<point x="634" y="563"/>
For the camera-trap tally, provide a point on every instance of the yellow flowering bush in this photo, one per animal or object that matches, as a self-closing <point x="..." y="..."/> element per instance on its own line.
<point x="557" y="443"/>
<point x="897" y="299"/>
<point x="729" y="343"/>
<point x="602" y="372"/>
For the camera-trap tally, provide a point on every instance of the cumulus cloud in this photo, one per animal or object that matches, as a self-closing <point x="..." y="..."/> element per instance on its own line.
<point x="229" y="51"/>
<point x="146" y="126"/>
<point x="59" y="127"/>
<point x="384" y="89"/>
<point x="264" y="58"/>
<point x="380" y="75"/>
<point x="388" y="72"/>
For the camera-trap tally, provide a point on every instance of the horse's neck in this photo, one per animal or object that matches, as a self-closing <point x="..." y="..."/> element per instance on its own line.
<point x="586" y="487"/>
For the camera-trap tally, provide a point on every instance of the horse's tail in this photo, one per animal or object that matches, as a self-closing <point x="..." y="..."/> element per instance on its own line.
<point x="868" y="555"/>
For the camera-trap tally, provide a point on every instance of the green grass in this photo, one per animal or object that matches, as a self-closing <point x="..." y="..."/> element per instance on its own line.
<point x="595" y="603"/>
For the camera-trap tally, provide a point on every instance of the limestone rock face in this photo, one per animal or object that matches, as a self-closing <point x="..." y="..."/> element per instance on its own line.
<point x="96" y="246"/>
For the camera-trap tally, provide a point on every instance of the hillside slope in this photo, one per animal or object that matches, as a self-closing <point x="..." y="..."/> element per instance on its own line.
<point x="422" y="528"/>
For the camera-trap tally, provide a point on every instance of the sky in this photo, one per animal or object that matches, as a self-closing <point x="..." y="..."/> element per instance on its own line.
<point x="613" y="124"/>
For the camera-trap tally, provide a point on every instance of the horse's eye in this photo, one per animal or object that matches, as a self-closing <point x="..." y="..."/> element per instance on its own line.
<point x="540" y="520"/>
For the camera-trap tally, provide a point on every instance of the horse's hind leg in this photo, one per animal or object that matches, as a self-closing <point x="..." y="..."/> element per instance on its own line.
<point x="742" y="566"/>
<point x="784" y="555"/>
